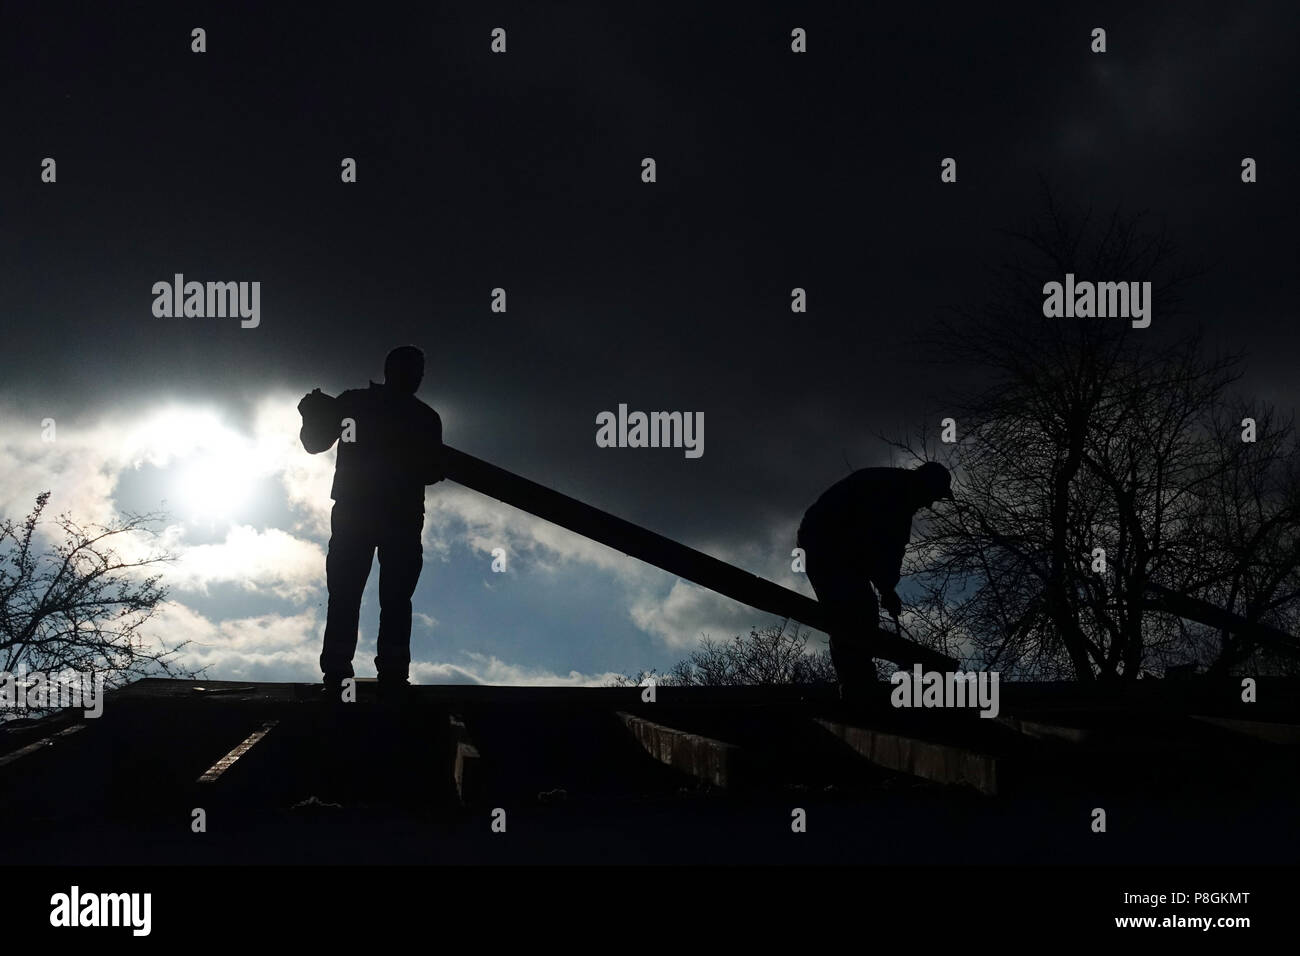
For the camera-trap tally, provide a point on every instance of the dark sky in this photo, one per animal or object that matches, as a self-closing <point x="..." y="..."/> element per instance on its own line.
<point x="522" y="171"/>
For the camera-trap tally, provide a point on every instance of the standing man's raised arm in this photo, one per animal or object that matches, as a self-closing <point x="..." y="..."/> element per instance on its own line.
<point x="321" y="424"/>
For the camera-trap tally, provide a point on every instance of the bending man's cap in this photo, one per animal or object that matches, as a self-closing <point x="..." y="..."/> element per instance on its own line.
<point x="936" y="479"/>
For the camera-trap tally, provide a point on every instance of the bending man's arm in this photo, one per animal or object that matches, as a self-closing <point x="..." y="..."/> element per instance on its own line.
<point x="887" y="564"/>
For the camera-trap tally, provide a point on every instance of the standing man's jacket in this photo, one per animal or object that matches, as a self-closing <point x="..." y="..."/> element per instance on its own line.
<point x="864" y="521"/>
<point x="396" y="451"/>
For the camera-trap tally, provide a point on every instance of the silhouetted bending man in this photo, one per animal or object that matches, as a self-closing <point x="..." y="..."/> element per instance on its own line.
<point x="854" y="536"/>
<point x="390" y="447"/>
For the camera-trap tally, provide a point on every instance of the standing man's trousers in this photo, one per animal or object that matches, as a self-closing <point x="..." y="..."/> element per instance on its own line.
<point x="356" y="533"/>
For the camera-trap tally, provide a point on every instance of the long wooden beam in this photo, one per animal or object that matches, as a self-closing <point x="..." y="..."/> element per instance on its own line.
<point x="1194" y="609"/>
<point x="667" y="554"/>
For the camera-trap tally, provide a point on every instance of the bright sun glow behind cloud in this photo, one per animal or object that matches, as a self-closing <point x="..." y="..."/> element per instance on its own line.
<point x="213" y="468"/>
<point x="214" y="487"/>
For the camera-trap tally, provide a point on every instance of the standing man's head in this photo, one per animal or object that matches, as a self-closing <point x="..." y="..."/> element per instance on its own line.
<point x="933" y="482"/>
<point x="404" y="368"/>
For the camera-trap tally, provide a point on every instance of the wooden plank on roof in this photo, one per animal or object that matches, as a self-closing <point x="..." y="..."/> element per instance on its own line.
<point x="213" y="773"/>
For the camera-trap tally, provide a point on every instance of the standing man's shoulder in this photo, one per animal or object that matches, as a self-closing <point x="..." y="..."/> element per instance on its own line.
<point x="426" y="411"/>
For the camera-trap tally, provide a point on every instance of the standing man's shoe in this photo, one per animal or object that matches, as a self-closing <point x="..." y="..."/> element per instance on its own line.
<point x="394" y="692"/>
<point x="331" y="691"/>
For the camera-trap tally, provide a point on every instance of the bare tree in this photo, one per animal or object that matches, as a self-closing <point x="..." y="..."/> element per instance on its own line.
<point x="776" y="654"/>
<point x="1248" y="541"/>
<point x="76" y="604"/>
<point x="1096" y="469"/>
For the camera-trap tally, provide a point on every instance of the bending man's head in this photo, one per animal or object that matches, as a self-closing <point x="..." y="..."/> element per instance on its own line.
<point x="933" y="482"/>
<point x="404" y="368"/>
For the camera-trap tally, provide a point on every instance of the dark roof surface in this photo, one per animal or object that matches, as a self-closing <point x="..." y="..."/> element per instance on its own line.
<point x="1183" y="769"/>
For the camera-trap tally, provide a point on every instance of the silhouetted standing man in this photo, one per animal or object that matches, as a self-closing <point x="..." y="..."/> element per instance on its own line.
<point x="855" y="536"/>
<point x="390" y="447"/>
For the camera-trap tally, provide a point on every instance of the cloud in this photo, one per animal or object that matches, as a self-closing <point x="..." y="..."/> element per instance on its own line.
<point x="483" y="669"/>
<point x="688" y="611"/>
<point x="457" y="514"/>
<point x="270" y="560"/>
<point x="306" y="478"/>
<point x="286" y="648"/>
<point x="267" y="647"/>
<point x="675" y="613"/>
<point x="78" y="467"/>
